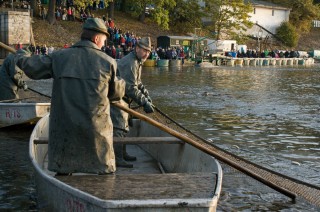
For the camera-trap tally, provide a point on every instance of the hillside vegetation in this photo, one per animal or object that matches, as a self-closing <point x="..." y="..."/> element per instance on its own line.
<point x="311" y="41"/>
<point x="69" y="31"/>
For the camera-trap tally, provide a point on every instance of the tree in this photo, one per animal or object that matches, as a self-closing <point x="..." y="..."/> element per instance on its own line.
<point x="228" y="17"/>
<point x="51" y="12"/>
<point x="136" y="8"/>
<point x="186" y="15"/>
<point x="302" y="13"/>
<point x="34" y="7"/>
<point x="110" y="9"/>
<point x="123" y="5"/>
<point x="287" y="32"/>
<point x="160" y="13"/>
<point x="84" y="3"/>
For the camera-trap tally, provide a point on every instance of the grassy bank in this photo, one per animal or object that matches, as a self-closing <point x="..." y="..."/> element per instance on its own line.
<point x="69" y="31"/>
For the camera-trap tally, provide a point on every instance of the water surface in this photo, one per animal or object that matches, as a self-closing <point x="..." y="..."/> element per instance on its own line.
<point x="270" y="116"/>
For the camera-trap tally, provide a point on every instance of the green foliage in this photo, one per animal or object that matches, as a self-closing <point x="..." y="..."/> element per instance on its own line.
<point x="287" y="33"/>
<point x="186" y="15"/>
<point x="302" y="14"/>
<point x="160" y="14"/>
<point x="239" y="37"/>
<point x="82" y="3"/>
<point x="135" y="8"/>
<point x="228" y="16"/>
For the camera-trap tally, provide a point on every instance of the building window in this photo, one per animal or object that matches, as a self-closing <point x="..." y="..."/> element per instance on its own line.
<point x="272" y="12"/>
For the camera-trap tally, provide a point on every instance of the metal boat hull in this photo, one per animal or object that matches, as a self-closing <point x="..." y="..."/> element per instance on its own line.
<point x="181" y="161"/>
<point x="22" y="113"/>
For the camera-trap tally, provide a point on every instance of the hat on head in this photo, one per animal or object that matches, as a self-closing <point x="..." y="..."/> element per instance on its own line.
<point x="145" y="43"/>
<point x="96" y="24"/>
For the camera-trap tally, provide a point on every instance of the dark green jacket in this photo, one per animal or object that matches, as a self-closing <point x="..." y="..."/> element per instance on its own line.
<point x="81" y="131"/>
<point x="129" y="69"/>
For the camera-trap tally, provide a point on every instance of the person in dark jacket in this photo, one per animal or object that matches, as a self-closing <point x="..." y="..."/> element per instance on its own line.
<point x="130" y="68"/>
<point x="84" y="83"/>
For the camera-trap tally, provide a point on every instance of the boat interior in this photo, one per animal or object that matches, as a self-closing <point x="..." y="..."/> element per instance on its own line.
<point x="166" y="168"/>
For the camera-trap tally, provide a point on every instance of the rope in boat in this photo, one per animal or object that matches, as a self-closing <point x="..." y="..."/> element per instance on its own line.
<point x="309" y="192"/>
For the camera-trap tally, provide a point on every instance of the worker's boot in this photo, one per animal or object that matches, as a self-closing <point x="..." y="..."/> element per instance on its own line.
<point x="126" y="156"/>
<point x="120" y="162"/>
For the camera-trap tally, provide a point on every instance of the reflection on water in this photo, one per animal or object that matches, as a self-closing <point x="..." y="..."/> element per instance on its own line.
<point x="17" y="191"/>
<point x="269" y="116"/>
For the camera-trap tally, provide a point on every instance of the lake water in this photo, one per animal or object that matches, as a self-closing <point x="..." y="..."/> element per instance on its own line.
<point x="270" y="116"/>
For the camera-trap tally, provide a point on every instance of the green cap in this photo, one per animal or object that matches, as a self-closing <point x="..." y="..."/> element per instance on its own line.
<point x="96" y="24"/>
<point x="145" y="43"/>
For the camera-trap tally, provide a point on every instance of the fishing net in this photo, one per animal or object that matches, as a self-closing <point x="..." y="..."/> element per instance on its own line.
<point x="291" y="187"/>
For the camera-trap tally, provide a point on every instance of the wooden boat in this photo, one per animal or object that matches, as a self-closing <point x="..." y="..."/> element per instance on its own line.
<point x="169" y="175"/>
<point x="14" y="113"/>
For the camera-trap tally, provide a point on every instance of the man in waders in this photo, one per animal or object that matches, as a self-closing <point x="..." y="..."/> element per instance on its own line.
<point x="129" y="69"/>
<point x="84" y="82"/>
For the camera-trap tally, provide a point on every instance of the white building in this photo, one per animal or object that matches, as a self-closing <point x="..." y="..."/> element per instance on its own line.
<point x="268" y="15"/>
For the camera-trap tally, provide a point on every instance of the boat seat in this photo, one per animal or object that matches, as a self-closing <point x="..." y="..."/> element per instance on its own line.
<point x="197" y="185"/>
<point x="131" y="140"/>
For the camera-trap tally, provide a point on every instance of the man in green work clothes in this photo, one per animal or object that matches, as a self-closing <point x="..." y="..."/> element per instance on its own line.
<point x="129" y="69"/>
<point x="81" y="130"/>
<point x="11" y="79"/>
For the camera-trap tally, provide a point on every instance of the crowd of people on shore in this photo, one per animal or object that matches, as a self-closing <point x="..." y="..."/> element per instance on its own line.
<point x="39" y="50"/>
<point x="250" y="53"/>
<point x="120" y="42"/>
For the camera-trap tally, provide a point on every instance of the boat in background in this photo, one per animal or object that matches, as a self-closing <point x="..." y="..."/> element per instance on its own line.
<point x="150" y="63"/>
<point x="163" y="63"/>
<point x="169" y="175"/>
<point x="22" y="113"/>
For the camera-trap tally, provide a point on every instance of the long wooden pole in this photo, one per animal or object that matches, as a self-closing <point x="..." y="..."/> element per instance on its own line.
<point x="8" y="48"/>
<point x="202" y="146"/>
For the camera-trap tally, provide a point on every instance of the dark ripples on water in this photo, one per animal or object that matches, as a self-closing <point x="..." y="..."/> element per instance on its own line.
<point x="269" y="116"/>
<point x="17" y="191"/>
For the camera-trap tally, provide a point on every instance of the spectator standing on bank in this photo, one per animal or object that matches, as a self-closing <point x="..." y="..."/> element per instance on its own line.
<point x="44" y="13"/>
<point x="44" y="49"/>
<point x="182" y="56"/>
<point x="50" y="50"/>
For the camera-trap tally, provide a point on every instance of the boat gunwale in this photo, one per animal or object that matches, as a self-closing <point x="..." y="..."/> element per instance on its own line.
<point x="19" y="104"/>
